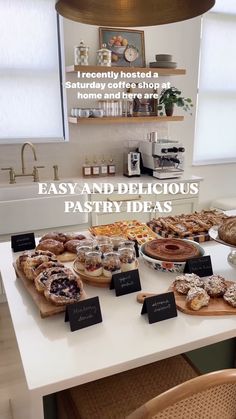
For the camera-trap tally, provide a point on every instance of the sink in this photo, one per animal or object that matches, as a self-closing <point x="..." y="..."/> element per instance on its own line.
<point x="23" y="209"/>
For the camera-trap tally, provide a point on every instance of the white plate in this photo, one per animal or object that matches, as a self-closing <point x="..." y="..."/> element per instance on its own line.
<point x="213" y="233"/>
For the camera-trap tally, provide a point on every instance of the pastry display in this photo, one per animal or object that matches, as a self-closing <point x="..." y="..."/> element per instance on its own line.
<point x="30" y="261"/>
<point x="93" y="264"/>
<point x="132" y="230"/>
<point x="41" y="280"/>
<point x="111" y="264"/>
<point x="80" y="259"/>
<point x="183" y="283"/>
<point x="62" y="288"/>
<point x="127" y="259"/>
<point x="227" y="231"/>
<point x="197" y="298"/>
<point x="171" y="250"/>
<point x="51" y="245"/>
<point x="230" y="295"/>
<point x="194" y="225"/>
<point x="215" y="286"/>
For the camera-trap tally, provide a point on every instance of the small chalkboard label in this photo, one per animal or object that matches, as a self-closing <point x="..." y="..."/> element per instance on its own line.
<point x="200" y="266"/>
<point x="126" y="282"/>
<point x="22" y="242"/>
<point x="83" y="314"/>
<point x="160" y="307"/>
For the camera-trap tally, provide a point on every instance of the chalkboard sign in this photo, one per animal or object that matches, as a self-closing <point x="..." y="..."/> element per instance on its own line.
<point x="200" y="266"/>
<point x="83" y="314"/>
<point x="22" y="242"/>
<point x="160" y="307"/>
<point x="126" y="282"/>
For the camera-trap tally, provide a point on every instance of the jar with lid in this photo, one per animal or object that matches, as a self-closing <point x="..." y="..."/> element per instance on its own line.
<point x="81" y="253"/>
<point x="87" y="168"/>
<point x="81" y="54"/>
<point x="111" y="167"/>
<point x="104" y="56"/>
<point x="127" y="259"/>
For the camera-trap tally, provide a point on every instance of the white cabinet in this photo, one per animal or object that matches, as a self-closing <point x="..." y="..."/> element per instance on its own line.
<point x="180" y="204"/>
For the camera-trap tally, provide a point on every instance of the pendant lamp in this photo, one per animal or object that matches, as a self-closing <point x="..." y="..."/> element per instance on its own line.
<point x="128" y="13"/>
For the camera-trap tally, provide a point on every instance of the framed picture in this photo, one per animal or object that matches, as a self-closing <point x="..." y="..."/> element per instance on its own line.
<point x="117" y="40"/>
<point x="147" y="106"/>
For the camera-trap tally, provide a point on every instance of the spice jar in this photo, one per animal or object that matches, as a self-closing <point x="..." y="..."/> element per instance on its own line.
<point x="93" y="264"/>
<point x="111" y="264"/>
<point x="81" y="54"/>
<point x="104" y="56"/>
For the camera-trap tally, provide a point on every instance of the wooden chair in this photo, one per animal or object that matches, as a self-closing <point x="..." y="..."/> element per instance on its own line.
<point x="210" y="396"/>
<point x="116" y="396"/>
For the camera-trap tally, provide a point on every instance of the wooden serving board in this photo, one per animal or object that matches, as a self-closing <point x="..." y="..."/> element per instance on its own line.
<point x="46" y="308"/>
<point x="216" y="307"/>
<point x="95" y="281"/>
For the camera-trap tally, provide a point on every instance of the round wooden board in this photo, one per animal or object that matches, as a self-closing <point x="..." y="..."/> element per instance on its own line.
<point x="216" y="307"/>
<point x="96" y="281"/>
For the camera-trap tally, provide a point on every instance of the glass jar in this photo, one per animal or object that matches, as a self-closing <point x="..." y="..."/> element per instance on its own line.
<point x="111" y="264"/>
<point x="93" y="264"/>
<point x="104" y="56"/>
<point x="103" y="240"/>
<point x="87" y="242"/>
<point x="80" y="259"/>
<point x="105" y="248"/>
<point x="116" y="241"/>
<point x="127" y="244"/>
<point x="127" y="259"/>
<point x="81" y="54"/>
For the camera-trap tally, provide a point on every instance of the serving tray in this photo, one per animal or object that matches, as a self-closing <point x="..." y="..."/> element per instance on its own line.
<point x="46" y="308"/>
<point x="216" y="307"/>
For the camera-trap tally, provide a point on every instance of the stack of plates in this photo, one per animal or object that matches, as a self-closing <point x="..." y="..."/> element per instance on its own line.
<point x="163" y="61"/>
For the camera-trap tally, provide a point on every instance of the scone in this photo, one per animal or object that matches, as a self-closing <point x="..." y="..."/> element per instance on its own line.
<point x="197" y="298"/>
<point x="62" y="289"/>
<point x="183" y="283"/>
<point x="215" y="286"/>
<point x="54" y="235"/>
<point x="30" y="261"/>
<point x="51" y="245"/>
<point x="230" y="295"/>
<point x="41" y="280"/>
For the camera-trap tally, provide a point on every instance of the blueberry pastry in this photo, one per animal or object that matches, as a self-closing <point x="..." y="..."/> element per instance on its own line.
<point x="41" y="280"/>
<point x="29" y="262"/>
<point x="62" y="289"/>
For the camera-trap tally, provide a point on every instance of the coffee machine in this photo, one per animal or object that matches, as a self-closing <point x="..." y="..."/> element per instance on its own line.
<point x="163" y="158"/>
<point x="131" y="159"/>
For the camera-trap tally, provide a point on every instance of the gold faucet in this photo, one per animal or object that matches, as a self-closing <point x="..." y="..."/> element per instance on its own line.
<point x="22" y="155"/>
<point x="35" y="172"/>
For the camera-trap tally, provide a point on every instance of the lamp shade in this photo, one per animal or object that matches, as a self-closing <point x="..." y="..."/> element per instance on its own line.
<point x="130" y="13"/>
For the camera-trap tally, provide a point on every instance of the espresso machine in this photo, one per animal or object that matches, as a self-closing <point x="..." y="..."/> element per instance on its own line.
<point x="162" y="158"/>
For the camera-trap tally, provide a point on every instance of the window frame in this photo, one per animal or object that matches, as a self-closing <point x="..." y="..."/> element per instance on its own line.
<point x="62" y="79"/>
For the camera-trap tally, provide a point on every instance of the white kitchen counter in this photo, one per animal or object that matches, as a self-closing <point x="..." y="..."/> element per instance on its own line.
<point x="54" y="358"/>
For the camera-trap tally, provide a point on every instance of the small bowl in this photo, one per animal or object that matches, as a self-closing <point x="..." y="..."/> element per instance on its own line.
<point x="163" y="57"/>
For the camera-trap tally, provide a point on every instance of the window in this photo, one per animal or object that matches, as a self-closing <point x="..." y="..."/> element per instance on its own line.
<point x="31" y="94"/>
<point x="215" y="137"/>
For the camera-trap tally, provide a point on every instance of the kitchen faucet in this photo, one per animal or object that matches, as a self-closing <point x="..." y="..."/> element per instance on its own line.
<point x="35" y="172"/>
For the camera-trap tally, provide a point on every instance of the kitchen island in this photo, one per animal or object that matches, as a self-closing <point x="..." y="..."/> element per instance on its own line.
<point x="54" y="358"/>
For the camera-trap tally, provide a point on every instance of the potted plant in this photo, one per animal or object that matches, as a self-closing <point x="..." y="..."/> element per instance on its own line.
<point x="171" y="97"/>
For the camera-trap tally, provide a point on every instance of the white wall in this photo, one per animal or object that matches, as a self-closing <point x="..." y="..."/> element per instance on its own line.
<point x="180" y="39"/>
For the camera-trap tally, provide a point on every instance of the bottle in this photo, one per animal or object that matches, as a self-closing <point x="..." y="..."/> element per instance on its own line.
<point x="103" y="167"/>
<point x="95" y="168"/>
<point x="87" y="168"/>
<point x="111" y="167"/>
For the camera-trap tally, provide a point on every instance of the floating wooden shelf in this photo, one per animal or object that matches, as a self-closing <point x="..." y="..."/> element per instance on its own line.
<point x="100" y="69"/>
<point x="124" y="120"/>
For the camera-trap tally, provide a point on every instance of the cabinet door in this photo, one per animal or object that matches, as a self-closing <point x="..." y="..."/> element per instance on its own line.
<point x="180" y="206"/>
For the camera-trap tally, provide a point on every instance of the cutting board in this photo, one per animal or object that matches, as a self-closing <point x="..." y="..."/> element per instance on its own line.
<point x="46" y="309"/>
<point x="216" y="307"/>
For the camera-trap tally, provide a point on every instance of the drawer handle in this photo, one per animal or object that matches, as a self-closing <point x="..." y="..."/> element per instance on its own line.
<point x="137" y="198"/>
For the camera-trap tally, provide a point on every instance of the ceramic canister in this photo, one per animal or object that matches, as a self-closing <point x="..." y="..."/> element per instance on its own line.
<point x="104" y="56"/>
<point x="81" y="54"/>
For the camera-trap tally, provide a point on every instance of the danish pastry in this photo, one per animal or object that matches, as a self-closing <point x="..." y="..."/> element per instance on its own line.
<point x="44" y="276"/>
<point x="230" y="295"/>
<point x="54" y="235"/>
<point x="47" y="265"/>
<point x="62" y="289"/>
<point x="215" y="286"/>
<point x="183" y="283"/>
<point x="197" y="298"/>
<point x="51" y="245"/>
<point x="29" y="262"/>
<point x="74" y="236"/>
<point x="71" y="245"/>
